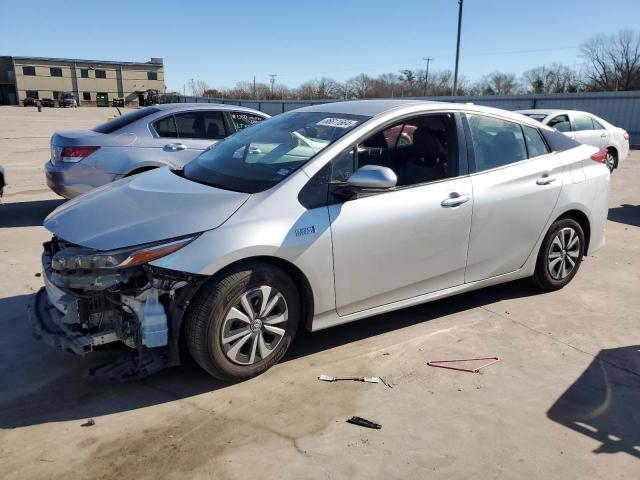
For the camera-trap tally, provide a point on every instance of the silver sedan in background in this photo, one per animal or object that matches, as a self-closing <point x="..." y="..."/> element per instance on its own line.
<point x="588" y="129"/>
<point x="138" y="141"/>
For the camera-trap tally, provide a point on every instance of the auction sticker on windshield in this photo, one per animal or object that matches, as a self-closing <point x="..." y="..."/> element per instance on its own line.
<point x="337" y="122"/>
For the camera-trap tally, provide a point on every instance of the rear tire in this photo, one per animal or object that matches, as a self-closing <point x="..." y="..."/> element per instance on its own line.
<point x="242" y="323"/>
<point x="560" y="255"/>
<point x="612" y="160"/>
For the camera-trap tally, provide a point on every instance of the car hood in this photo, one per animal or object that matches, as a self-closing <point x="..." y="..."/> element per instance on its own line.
<point x="148" y="207"/>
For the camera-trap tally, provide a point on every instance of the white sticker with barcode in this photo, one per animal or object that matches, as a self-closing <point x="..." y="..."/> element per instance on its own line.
<point x="337" y="122"/>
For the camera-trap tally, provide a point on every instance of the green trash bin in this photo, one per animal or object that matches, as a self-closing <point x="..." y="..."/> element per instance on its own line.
<point x="102" y="100"/>
<point x="117" y="102"/>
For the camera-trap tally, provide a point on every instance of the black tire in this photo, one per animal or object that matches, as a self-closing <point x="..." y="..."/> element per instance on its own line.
<point x="553" y="278"/>
<point x="206" y="314"/>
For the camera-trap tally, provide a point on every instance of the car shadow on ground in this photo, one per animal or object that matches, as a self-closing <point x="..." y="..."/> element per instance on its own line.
<point x="66" y="394"/>
<point x="628" y="214"/>
<point x="604" y="402"/>
<point x="26" y="214"/>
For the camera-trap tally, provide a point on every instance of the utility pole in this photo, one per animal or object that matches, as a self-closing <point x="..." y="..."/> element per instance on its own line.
<point x="272" y="80"/>
<point x="254" y="88"/>
<point x="455" y="75"/>
<point x="426" y="75"/>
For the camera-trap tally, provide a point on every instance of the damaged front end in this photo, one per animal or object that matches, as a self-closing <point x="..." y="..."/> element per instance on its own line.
<point x="96" y="300"/>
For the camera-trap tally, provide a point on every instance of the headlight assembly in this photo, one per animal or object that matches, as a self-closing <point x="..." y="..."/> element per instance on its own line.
<point x="78" y="258"/>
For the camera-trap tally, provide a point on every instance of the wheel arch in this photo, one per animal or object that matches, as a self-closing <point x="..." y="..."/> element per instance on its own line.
<point x="613" y="149"/>
<point x="296" y="274"/>
<point x="582" y="218"/>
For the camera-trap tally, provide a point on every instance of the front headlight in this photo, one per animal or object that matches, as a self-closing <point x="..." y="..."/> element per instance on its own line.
<point x="78" y="258"/>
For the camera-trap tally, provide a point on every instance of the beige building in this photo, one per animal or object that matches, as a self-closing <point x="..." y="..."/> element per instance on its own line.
<point x="38" y="77"/>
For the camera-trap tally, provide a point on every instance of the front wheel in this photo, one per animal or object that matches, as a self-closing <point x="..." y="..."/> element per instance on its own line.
<point x="241" y="324"/>
<point x="560" y="255"/>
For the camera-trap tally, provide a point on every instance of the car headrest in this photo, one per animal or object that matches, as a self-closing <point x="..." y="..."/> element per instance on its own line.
<point x="213" y="130"/>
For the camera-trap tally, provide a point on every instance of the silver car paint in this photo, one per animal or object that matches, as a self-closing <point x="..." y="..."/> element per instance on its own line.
<point x="142" y="209"/>
<point x="265" y="226"/>
<point x="135" y="146"/>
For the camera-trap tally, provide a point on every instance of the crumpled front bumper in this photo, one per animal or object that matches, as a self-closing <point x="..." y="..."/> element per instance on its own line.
<point x="47" y="311"/>
<point x="47" y="325"/>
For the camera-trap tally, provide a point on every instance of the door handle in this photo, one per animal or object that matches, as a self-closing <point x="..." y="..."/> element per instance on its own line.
<point x="455" y="200"/>
<point x="545" y="180"/>
<point x="174" y="147"/>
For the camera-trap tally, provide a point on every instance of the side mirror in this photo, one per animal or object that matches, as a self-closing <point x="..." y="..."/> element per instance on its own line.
<point x="373" y="177"/>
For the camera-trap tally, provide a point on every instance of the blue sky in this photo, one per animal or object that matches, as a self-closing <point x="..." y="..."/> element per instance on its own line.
<point x="222" y="42"/>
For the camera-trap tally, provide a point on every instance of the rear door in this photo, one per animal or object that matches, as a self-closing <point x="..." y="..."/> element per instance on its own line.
<point x="588" y="131"/>
<point x="180" y="137"/>
<point x="516" y="185"/>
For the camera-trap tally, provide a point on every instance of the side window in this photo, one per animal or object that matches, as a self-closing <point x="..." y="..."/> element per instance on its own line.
<point x="596" y="124"/>
<point x="204" y="125"/>
<point x="166" y="127"/>
<point x="55" y="71"/>
<point x="582" y="122"/>
<point x="496" y="142"/>
<point x="28" y="71"/>
<point x="100" y="73"/>
<point x="560" y="123"/>
<point x="535" y="143"/>
<point x="420" y="150"/>
<point x="84" y="73"/>
<point x="244" y="120"/>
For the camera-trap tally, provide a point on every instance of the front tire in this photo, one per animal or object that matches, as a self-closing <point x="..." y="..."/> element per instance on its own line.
<point x="241" y="324"/>
<point x="560" y="255"/>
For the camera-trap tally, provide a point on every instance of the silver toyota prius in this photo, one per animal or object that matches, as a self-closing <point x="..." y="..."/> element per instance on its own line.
<point x="138" y="141"/>
<point x="314" y="218"/>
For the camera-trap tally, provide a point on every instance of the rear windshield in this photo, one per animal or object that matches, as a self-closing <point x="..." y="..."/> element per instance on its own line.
<point x="536" y="116"/>
<point x="124" y="120"/>
<point x="257" y="158"/>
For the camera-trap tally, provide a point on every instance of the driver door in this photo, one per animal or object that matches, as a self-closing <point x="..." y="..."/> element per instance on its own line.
<point x="410" y="240"/>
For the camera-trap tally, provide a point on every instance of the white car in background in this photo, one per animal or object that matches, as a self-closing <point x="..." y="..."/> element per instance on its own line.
<point x="588" y="129"/>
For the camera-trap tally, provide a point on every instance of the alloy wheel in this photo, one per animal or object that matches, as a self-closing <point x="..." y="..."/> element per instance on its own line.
<point x="611" y="161"/>
<point x="254" y="325"/>
<point x="564" y="253"/>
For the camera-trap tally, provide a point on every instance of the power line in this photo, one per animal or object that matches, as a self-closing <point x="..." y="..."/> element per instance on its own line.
<point x="417" y="59"/>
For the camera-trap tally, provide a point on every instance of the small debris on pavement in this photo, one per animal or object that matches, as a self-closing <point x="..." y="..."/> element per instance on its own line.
<point x="440" y="363"/>
<point x="362" y="422"/>
<point x="329" y="378"/>
<point x="89" y="423"/>
<point x="386" y="381"/>
<point x="38" y="274"/>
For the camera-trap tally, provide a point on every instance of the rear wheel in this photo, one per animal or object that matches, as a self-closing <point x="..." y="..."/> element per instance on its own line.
<point x="560" y="255"/>
<point x="612" y="160"/>
<point x="242" y="324"/>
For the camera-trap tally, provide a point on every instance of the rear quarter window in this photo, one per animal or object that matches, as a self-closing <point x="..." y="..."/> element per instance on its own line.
<point x="558" y="142"/>
<point x="124" y="120"/>
<point x="243" y="120"/>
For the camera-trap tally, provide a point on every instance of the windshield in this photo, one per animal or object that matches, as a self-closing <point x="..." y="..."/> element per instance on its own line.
<point x="258" y="158"/>
<point x="68" y="95"/>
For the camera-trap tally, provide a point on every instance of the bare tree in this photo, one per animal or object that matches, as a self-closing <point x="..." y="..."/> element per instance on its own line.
<point x="613" y="62"/>
<point x="556" y="78"/>
<point x="198" y="87"/>
<point x="499" y="83"/>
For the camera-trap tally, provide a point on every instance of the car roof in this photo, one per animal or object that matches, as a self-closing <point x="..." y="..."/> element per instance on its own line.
<point x="176" y="107"/>
<point x="546" y="111"/>
<point x="375" y="108"/>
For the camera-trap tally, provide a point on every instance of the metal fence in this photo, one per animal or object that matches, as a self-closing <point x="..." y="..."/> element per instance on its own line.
<point x="621" y="109"/>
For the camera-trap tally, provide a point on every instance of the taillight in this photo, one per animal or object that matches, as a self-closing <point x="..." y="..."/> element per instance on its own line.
<point x="75" y="154"/>
<point x="600" y="156"/>
<point x="625" y="135"/>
